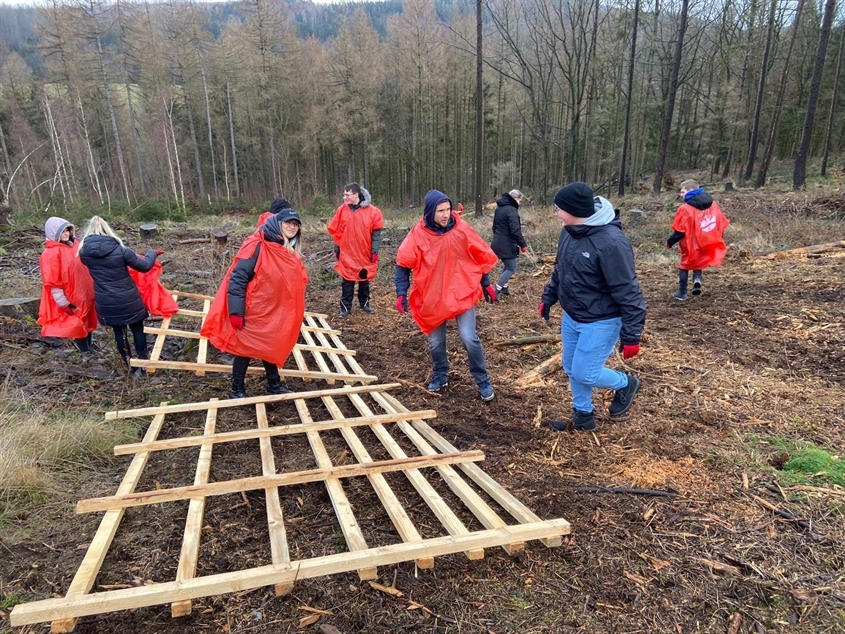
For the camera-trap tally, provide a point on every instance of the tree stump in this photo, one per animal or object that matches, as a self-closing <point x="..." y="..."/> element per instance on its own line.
<point x="221" y="238"/>
<point x="148" y="231"/>
<point x="729" y="186"/>
<point x="20" y="306"/>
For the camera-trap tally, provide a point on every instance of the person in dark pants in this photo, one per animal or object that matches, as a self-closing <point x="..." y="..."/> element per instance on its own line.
<point x="116" y="296"/>
<point x="507" y="237"/>
<point x="258" y="309"/>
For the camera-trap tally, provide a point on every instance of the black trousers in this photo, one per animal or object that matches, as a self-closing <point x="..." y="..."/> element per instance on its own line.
<point x="683" y="279"/>
<point x="138" y="336"/>
<point x="347" y="292"/>
<point x="84" y="344"/>
<point x="240" y="364"/>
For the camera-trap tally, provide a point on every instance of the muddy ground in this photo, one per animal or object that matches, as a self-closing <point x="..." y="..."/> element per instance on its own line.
<point x="757" y="360"/>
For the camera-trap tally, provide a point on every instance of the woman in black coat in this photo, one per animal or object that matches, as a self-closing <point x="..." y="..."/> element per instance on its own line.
<point x="116" y="296"/>
<point x="507" y="236"/>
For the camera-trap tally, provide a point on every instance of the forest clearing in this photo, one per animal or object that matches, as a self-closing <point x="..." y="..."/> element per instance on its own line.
<point x="736" y="439"/>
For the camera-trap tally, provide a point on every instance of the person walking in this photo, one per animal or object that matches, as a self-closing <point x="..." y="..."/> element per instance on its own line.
<point x="116" y="297"/>
<point x="67" y="294"/>
<point x="258" y="309"/>
<point x="697" y="230"/>
<point x="356" y="229"/>
<point x="450" y="266"/>
<point x="508" y="241"/>
<point x="595" y="281"/>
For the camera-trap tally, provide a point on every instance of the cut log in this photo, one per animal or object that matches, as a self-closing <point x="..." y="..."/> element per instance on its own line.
<point x="812" y="249"/>
<point x="221" y="236"/>
<point x="525" y="341"/>
<point x="19" y="307"/>
<point x="148" y="231"/>
<point x="550" y="365"/>
<point x="193" y="241"/>
<point x="729" y="186"/>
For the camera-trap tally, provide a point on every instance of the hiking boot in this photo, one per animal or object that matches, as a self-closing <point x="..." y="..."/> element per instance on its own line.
<point x="344" y="313"/>
<point x="139" y="373"/>
<point x="697" y="286"/>
<point x="368" y="309"/>
<point x="502" y="290"/>
<point x="486" y="391"/>
<point x="681" y="297"/>
<point x="277" y="386"/>
<point x="624" y="397"/>
<point x="437" y="384"/>
<point x="238" y="391"/>
<point x="581" y="421"/>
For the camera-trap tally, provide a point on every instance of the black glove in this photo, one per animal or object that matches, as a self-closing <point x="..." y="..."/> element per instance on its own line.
<point x="544" y="310"/>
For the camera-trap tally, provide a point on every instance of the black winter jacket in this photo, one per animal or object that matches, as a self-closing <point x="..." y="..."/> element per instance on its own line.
<point x="116" y="297"/>
<point x="507" y="229"/>
<point x="594" y="278"/>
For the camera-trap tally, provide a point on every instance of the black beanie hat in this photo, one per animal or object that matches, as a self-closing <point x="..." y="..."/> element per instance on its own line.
<point x="279" y="204"/>
<point x="576" y="199"/>
<point x="287" y="214"/>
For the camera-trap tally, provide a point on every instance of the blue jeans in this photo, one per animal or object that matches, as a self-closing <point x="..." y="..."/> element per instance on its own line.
<point x="510" y="269"/>
<point x="585" y="349"/>
<point x="475" y="354"/>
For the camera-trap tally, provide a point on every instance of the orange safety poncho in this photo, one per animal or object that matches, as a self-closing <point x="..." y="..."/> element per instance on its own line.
<point x="61" y="268"/>
<point x="446" y="271"/>
<point x="353" y="233"/>
<point x="275" y="305"/>
<point x="702" y="245"/>
<point x="155" y="297"/>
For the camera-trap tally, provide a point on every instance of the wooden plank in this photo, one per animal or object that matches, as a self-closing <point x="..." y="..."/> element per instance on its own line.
<point x="324" y="473"/>
<point x="190" y="334"/>
<point x="186" y="312"/>
<point x="88" y="570"/>
<point x="193" y="524"/>
<point x="279" y="552"/>
<point x="356" y="368"/>
<point x="158" y="346"/>
<point x="327" y="330"/>
<point x="504" y="498"/>
<point x="404" y="526"/>
<point x="203" y="350"/>
<point x="142" y="596"/>
<point x="441" y="509"/>
<point x="269" y="432"/>
<point x="327" y="349"/>
<point x="250" y="400"/>
<point x="318" y="357"/>
<point x="215" y="367"/>
<point x="342" y="508"/>
<point x="190" y="295"/>
<point x="299" y="359"/>
<point x="460" y="487"/>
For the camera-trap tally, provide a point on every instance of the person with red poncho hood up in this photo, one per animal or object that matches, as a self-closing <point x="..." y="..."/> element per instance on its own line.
<point x="67" y="295"/>
<point x="258" y="309"/>
<point x="697" y="230"/>
<point x="450" y="265"/>
<point x="356" y="230"/>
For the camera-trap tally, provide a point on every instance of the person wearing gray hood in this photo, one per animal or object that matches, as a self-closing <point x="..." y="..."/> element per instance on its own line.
<point x="595" y="281"/>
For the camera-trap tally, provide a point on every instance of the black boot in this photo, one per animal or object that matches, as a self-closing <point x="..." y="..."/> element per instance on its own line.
<point x="624" y="397"/>
<point x="581" y="421"/>
<point x="364" y="297"/>
<point x="347" y="292"/>
<point x="238" y="390"/>
<point x="275" y="385"/>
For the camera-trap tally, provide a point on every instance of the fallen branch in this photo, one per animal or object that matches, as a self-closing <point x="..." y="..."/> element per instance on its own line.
<point x="194" y="241"/>
<point x="813" y="248"/>
<point x="550" y="365"/>
<point x="784" y="514"/>
<point x="525" y="341"/>
<point x="665" y="494"/>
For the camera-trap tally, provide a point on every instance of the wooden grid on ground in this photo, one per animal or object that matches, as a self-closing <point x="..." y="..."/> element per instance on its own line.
<point x="320" y="341"/>
<point x="438" y="478"/>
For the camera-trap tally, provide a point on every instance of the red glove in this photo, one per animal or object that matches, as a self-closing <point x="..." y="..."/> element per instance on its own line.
<point x="523" y="249"/>
<point x="237" y="321"/>
<point x="630" y="351"/>
<point x="374" y="258"/>
<point x="402" y="304"/>
<point x="159" y="251"/>
<point x="668" y="246"/>
<point x="544" y="311"/>
<point x="67" y="310"/>
<point x="336" y="250"/>
<point x="490" y="294"/>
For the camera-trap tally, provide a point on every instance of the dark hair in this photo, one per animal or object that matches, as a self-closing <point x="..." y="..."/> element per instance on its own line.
<point x="355" y="188"/>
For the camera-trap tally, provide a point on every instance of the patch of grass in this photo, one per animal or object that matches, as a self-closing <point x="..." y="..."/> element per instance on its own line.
<point x="816" y="464"/>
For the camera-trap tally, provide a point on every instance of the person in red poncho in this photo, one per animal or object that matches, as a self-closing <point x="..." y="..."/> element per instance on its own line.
<point x="67" y="295"/>
<point x="258" y="309"/>
<point x="356" y="230"/>
<point x="450" y="264"/>
<point x="697" y="229"/>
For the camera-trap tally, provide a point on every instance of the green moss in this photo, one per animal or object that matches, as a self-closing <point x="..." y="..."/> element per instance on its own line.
<point x="817" y="464"/>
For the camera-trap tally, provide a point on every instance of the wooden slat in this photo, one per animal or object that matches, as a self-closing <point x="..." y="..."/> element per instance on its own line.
<point x="186" y="312"/>
<point x="404" y="526"/>
<point x="190" y="334"/>
<point x="215" y="367"/>
<point x="318" y="357"/>
<point x="250" y="400"/>
<point x="356" y="368"/>
<point x="342" y="508"/>
<point x="142" y="596"/>
<point x="203" y="349"/>
<point x="279" y="553"/>
<point x="327" y="349"/>
<point x="269" y="432"/>
<point x="88" y="570"/>
<point x="193" y="524"/>
<point x="158" y="346"/>
<point x="324" y="473"/>
<point x="492" y="488"/>
<point x="190" y="295"/>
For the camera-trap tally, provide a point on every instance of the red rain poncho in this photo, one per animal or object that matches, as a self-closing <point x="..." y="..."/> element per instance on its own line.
<point x="156" y="298"/>
<point x="275" y="305"/>
<point x="353" y="233"/>
<point x="702" y="245"/>
<point x="446" y="271"/>
<point x="60" y="267"/>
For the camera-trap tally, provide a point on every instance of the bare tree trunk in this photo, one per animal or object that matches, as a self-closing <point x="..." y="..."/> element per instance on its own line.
<point x="232" y="140"/>
<point x="832" y="104"/>
<point x="479" y="109"/>
<point x="761" y="88"/>
<point x="5" y="149"/>
<point x="625" y="135"/>
<point x="208" y="123"/>
<point x="799" y="174"/>
<point x="55" y="143"/>
<point x="169" y="111"/>
<point x="195" y="146"/>
<point x="670" y="104"/>
<point x="92" y="166"/>
<point x="129" y="100"/>
<point x="770" y="147"/>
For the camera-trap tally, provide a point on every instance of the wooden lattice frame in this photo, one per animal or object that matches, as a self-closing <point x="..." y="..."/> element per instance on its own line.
<point x="457" y="469"/>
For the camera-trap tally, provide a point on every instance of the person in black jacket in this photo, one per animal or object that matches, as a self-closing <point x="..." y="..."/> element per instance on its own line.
<point x="507" y="237"/>
<point x="595" y="281"/>
<point x="116" y="296"/>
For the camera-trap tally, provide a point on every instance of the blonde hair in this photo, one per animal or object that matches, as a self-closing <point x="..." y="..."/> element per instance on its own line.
<point x="294" y="245"/>
<point x="98" y="227"/>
